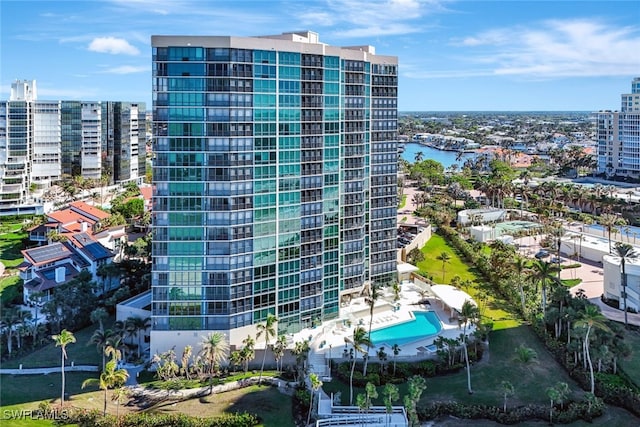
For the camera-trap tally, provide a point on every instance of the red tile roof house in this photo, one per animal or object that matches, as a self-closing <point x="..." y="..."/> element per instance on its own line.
<point x="45" y="267"/>
<point x="78" y="217"/>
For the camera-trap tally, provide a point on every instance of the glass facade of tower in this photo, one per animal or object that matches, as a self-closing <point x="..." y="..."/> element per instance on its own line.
<point x="275" y="187"/>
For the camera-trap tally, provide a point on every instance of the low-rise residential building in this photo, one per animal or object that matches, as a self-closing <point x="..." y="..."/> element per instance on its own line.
<point x="613" y="281"/>
<point x="80" y="243"/>
<point x="45" y="267"/>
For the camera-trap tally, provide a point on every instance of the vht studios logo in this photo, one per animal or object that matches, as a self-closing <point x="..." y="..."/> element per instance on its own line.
<point x="35" y="414"/>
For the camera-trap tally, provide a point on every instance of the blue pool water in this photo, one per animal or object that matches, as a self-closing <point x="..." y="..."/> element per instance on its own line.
<point x="426" y="323"/>
<point x="627" y="231"/>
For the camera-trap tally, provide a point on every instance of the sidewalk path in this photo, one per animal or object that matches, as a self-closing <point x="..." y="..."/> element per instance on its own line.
<point x="615" y="314"/>
<point x="53" y="370"/>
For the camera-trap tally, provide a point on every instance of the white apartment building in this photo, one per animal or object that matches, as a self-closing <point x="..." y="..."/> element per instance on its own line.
<point x="42" y="141"/>
<point x="613" y="281"/>
<point x="618" y="136"/>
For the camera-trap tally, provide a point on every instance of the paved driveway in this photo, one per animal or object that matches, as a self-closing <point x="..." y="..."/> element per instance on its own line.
<point x="592" y="279"/>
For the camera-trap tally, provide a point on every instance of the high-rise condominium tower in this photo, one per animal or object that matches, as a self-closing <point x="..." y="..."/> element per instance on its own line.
<point x="618" y="135"/>
<point x="42" y="142"/>
<point x="275" y="187"/>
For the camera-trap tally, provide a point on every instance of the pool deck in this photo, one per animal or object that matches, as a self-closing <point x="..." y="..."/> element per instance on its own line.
<point x="329" y="340"/>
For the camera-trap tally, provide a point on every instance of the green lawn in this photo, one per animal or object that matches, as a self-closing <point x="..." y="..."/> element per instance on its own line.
<point x="10" y="247"/>
<point x="631" y="365"/>
<point x="273" y="408"/>
<point x="530" y="382"/>
<point x="403" y="202"/>
<point x="9" y="288"/>
<point x="11" y="257"/>
<point x="570" y="283"/>
<point x="22" y="389"/>
<point x="80" y="353"/>
<point x="493" y="309"/>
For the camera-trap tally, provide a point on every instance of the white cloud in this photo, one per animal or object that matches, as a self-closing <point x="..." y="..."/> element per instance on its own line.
<point x="361" y="18"/>
<point x="112" y="45"/>
<point x="556" y="48"/>
<point x="127" y="69"/>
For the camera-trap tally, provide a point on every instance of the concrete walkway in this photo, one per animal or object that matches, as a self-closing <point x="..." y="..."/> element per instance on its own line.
<point x="615" y="314"/>
<point x="53" y="370"/>
<point x="133" y="371"/>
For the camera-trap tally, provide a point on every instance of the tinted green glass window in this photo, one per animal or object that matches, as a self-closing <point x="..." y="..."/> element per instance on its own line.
<point x="186" y="69"/>
<point x="264" y="57"/>
<point x="289" y="73"/>
<point x="289" y="58"/>
<point x="264" y="100"/>
<point x="185" y="54"/>
<point x="181" y="84"/>
<point x="331" y="62"/>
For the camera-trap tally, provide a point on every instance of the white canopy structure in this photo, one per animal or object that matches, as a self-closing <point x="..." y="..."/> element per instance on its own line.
<point x="405" y="270"/>
<point x="451" y="297"/>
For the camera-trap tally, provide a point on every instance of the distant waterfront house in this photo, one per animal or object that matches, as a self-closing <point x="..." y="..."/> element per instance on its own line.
<point x="113" y="238"/>
<point x="78" y="217"/>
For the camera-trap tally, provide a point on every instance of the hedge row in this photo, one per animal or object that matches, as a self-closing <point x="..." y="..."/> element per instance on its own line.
<point x="571" y="412"/>
<point x="425" y="368"/>
<point x="83" y="418"/>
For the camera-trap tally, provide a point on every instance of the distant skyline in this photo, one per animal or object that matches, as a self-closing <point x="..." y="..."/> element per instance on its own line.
<point x="453" y="55"/>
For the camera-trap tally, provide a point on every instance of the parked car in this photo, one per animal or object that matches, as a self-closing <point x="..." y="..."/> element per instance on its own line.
<point x="556" y="260"/>
<point x="542" y="254"/>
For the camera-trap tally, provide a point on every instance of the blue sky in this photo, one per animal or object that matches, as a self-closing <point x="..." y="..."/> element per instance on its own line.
<point x="453" y="55"/>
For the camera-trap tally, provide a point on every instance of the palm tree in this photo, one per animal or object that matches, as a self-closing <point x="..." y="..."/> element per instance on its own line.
<point x="268" y="329"/>
<point x="114" y="345"/>
<point x="279" y="349"/>
<point x="111" y="377"/>
<point x="101" y="339"/>
<point x="416" y="385"/>
<point x="63" y="339"/>
<point x="248" y="352"/>
<point x="391" y="394"/>
<point x="371" y="302"/>
<point x="214" y="350"/>
<point x="358" y="341"/>
<point x="419" y="156"/>
<point x="445" y="258"/>
<point x="23" y="317"/>
<point x="563" y="392"/>
<point x="118" y="395"/>
<point x="185" y="362"/>
<point x="468" y="314"/>
<point x="9" y="322"/>
<point x="301" y="351"/>
<point x="98" y="316"/>
<point x="543" y="273"/>
<point x="525" y="355"/>
<point x="316" y="384"/>
<point x="626" y="253"/>
<point x="556" y="232"/>
<point x="507" y="390"/>
<point x="553" y="395"/>
<point x="136" y="325"/>
<point x="591" y="318"/>
<point x="521" y="265"/>
<point x="608" y="221"/>
<point x="396" y="350"/>
<point x="37" y="298"/>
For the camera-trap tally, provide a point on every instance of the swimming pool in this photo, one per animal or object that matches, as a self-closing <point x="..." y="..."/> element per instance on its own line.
<point x="426" y="323"/>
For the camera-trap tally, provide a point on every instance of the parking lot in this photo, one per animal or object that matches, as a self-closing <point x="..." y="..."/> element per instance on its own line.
<point x="590" y="272"/>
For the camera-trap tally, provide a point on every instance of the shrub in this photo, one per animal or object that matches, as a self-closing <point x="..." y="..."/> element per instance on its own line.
<point x="572" y="411"/>
<point x="83" y="418"/>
